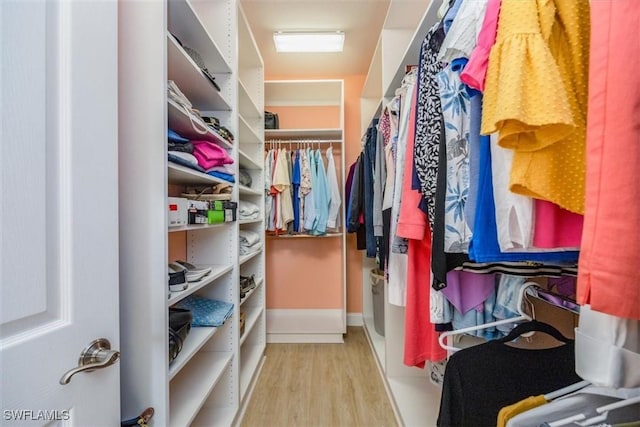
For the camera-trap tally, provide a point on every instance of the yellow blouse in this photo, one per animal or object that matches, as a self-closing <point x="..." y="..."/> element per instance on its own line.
<point x="536" y="96"/>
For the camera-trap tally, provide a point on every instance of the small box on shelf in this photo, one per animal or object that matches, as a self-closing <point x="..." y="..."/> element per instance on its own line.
<point x="222" y="211"/>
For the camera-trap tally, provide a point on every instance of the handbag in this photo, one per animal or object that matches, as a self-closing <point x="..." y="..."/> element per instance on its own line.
<point x="179" y="327"/>
<point x="271" y="120"/>
<point x="175" y="94"/>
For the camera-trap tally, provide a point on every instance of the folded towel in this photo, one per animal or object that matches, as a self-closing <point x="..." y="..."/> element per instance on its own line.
<point x="248" y="237"/>
<point x="246" y="250"/>
<point x="254" y="215"/>
<point x="247" y="208"/>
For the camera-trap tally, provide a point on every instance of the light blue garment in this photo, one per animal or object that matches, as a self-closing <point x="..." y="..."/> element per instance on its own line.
<point x="321" y="197"/>
<point x="309" y="199"/>
<point x="451" y="15"/>
<point x="455" y="110"/>
<point x="507" y="299"/>
<point x="478" y="316"/>
<point x="475" y="118"/>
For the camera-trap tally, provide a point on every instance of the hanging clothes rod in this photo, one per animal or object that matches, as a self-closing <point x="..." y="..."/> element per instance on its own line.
<point x="303" y="141"/>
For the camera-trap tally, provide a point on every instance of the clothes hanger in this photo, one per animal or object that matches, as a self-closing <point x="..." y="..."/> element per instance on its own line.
<point x="604" y="411"/>
<point x="566" y="390"/>
<point x="581" y="419"/>
<point x="523" y="317"/>
<point x="534" y="326"/>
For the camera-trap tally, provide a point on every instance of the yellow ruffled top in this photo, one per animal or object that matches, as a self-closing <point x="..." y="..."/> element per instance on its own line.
<point x="536" y="96"/>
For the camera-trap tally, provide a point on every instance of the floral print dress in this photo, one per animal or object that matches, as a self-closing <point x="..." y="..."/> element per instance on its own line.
<point x="455" y="109"/>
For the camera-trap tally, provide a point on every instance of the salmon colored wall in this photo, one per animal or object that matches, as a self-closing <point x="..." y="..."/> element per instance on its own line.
<point x="299" y="270"/>
<point x="318" y="117"/>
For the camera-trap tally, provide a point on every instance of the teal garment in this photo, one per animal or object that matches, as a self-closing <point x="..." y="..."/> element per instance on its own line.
<point x="322" y="197"/>
<point x="309" y="200"/>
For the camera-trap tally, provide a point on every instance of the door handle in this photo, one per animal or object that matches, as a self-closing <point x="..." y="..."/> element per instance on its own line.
<point x="96" y="355"/>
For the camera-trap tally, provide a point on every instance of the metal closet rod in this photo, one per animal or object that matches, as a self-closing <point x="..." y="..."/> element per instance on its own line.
<point x="303" y="141"/>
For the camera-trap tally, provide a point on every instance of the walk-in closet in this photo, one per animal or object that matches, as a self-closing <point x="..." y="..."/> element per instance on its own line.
<point x="320" y="213"/>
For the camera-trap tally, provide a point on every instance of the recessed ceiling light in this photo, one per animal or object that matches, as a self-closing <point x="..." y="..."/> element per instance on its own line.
<point x="303" y="41"/>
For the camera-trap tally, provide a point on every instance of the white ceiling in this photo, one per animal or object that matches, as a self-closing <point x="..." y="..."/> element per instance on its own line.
<point x="361" y="20"/>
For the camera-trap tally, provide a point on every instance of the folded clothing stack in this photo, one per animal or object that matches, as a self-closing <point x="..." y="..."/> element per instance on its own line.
<point x="248" y="210"/>
<point x="250" y="242"/>
<point x="180" y="151"/>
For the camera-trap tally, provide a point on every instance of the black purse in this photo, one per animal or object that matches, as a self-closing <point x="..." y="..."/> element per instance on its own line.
<point x="179" y="327"/>
<point x="271" y="120"/>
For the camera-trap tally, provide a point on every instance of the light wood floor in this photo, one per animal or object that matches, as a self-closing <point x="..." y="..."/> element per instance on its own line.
<point x="320" y="385"/>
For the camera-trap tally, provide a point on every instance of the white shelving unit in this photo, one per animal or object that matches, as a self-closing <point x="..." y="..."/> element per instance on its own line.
<point x="414" y="398"/>
<point x="323" y="102"/>
<point x="209" y="381"/>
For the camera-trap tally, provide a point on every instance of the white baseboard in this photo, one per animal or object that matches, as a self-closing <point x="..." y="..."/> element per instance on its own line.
<point x="305" y="338"/>
<point x="305" y="325"/>
<point x="355" y="319"/>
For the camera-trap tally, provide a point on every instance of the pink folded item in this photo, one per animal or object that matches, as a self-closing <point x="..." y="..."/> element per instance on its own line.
<point x="210" y="155"/>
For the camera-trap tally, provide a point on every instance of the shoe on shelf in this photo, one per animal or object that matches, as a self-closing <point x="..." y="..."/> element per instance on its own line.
<point x="247" y="283"/>
<point x="190" y="275"/>
<point x="177" y="280"/>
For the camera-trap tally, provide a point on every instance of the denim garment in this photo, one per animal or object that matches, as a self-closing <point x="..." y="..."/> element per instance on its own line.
<point x="295" y="183"/>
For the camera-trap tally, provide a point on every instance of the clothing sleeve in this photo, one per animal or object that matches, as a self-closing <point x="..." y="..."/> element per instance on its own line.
<point x="355" y="199"/>
<point x="379" y="178"/>
<point x="335" y="200"/>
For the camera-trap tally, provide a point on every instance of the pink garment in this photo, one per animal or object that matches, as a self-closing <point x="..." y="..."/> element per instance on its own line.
<point x="420" y="336"/>
<point x="608" y="269"/>
<point x="475" y="71"/>
<point x="556" y="227"/>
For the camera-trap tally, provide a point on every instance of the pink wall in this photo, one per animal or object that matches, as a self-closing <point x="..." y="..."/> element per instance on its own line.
<point x="300" y="272"/>
<point x="307" y="117"/>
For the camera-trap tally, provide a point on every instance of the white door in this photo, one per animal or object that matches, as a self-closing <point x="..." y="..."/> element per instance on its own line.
<point x="58" y="210"/>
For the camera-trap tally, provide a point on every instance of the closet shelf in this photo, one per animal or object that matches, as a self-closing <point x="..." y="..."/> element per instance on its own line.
<point x="248" y="294"/>
<point x="217" y="271"/>
<point x="248" y="107"/>
<point x="253" y="314"/>
<point x="247" y="162"/>
<point x="302" y="236"/>
<point x="191" y="81"/>
<point x="197" y="227"/>
<point x="250" y="221"/>
<point x="184" y="24"/>
<point x="183" y="175"/>
<point x="248" y="135"/>
<point x="249" y="191"/>
<point x="303" y="134"/>
<point x="214" y="416"/>
<point x="245" y="258"/>
<point x="190" y="389"/>
<point x="251" y="356"/>
<point x="195" y="340"/>
<point x="179" y="121"/>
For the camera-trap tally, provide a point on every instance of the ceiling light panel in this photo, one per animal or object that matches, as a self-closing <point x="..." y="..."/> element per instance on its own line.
<point x="317" y="42"/>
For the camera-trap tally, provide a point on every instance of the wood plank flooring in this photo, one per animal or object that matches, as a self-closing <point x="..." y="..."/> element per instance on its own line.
<point x="320" y="385"/>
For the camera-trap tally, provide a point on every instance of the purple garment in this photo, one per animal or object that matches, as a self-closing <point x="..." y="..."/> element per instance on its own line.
<point x="565" y="285"/>
<point x="466" y="290"/>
